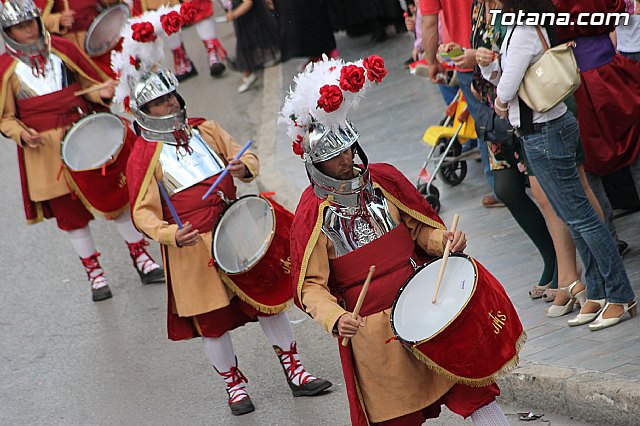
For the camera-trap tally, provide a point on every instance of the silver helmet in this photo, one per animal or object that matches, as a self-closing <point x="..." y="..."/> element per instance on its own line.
<point x="14" y="12"/>
<point x="153" y="85"/>
<point x="323" y="144"/>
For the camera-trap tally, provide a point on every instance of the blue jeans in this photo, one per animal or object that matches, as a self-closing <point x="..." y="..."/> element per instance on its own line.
<point x="464" y="80"/>
<point x="551" y="153"/>
<point x="635" y="55"/>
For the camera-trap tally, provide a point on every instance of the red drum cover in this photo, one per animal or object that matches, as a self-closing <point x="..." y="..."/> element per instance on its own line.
<point x="480" y="343"/>
<point x="267" y="284"/>
<point x="105" y="193"/>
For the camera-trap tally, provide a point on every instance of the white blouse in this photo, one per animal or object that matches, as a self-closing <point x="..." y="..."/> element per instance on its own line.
<point x="525" y="48"/>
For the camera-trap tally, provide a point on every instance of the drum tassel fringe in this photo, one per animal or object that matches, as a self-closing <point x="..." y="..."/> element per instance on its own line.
<point x="265" y="309"/>
<point x="484" y="381"/>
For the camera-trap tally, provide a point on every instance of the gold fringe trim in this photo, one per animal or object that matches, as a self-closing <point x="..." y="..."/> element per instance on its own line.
<point x="360" y="398"/>
<point x="413" y="213"/>
<point x="313" y="239"/>
<point x="480" y="382"/>
<point x="144" y="186"/>
<point x="77" y="191"/>
<point x="77" y="69"/>
<point x="5" y="84"/>
<point x="265" y="309"/>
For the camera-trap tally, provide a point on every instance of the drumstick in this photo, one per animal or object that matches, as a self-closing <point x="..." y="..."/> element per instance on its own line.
<point x="445" y="257"/>
<point x="172" y="209"/>
<point x="363" y="293"/>
<point x="225" y="171"/>
<point x="66" y="5"/>
<point x="92" y="88"/>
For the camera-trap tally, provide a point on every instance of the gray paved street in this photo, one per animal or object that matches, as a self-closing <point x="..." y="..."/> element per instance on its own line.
<point x="67" y="361"/>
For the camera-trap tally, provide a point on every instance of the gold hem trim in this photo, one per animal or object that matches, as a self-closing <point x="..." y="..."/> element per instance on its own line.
<point x="77" y="191"/>
<point x="360" y="398"/>
<point x="413" y="213"/>
<point x="5" y="84"/>
<point x="313" y="239"/>
<point x="77" y="69"/>
<point x="265" y="309"/>
<point x="480" y="382"/>
<point x="144" y="186"/>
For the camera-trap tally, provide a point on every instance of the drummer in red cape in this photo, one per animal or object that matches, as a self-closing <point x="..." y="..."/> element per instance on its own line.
<point x="186" y="156"/>
<point x="353" y="216"/>
<point x="72" y="18"/>
<point x="40" y="74"/>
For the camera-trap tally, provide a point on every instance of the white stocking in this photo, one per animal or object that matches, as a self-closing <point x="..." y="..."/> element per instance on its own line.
<point x="278" y="330"/>
<point x="219" y="351"/>
<point x="174" y="41"/>
<point x="125" y="228"/>
<point x="489" y="415"/>
<point x="206" y="29"/>
<point x="82" y="241"/>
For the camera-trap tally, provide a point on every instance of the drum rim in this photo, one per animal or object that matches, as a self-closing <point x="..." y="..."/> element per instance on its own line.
<point x="415" y="343"/>
<point x="91" y="52"/>
<point x="271" y="236"/>
<point x="82" y="120"/>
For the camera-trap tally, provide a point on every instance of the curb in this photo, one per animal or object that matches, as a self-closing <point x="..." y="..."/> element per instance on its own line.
<point x="592" y="396"/>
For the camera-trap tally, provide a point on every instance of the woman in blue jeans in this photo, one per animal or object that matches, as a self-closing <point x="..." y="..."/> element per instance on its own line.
<point x="550" y="145"/>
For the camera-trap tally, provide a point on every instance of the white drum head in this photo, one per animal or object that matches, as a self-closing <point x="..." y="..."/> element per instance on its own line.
<point x="243" y="234"/>
<point x="104" y="32"/>
<point x="93" y="141"/>
<point x="414" y="318"/>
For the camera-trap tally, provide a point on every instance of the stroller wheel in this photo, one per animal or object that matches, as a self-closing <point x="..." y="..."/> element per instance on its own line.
<point x="434" y="201"/>
<point x="453" y="173"/>
<point x="422" y="189"/>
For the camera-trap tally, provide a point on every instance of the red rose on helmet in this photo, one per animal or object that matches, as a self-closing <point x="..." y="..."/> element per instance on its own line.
<point x="297" y="149"/>
<point x="188" y="12"/>
<point x="375" y="68"/>
<point x="352" y="78"/>
<point x="171" y="22"/>
<point x="127" y="102"/>
<point x="330" y="97"/>
<point x="143" y="32"/>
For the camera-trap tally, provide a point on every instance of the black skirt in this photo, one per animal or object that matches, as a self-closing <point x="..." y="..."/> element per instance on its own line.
<point x="305" y="28"/>
<point x="257" y="40"/>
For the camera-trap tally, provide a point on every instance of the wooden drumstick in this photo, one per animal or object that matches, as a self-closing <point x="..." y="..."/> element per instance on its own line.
<point x="92" y="88"/>
<point x="363" y="293"/>
<point x="445" y="257"/>
<point x="65" y="3"/>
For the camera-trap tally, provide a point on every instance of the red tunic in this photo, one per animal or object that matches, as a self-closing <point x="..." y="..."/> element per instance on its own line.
<point x="609" y="97"/>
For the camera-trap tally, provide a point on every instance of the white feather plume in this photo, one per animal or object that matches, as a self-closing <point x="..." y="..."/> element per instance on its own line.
<point x="300" y="109"/>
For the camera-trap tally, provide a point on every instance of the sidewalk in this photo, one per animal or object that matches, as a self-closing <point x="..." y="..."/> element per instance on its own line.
<point x="593" y="376"/>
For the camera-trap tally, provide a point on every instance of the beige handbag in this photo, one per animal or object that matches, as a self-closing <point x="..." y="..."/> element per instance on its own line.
<point x="552" y="79"/>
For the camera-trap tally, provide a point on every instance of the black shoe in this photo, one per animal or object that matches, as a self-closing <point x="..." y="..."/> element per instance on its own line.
<point x="217" y="69"/>
<point x="408" y="62"/>
<point x="311" y="388"/>
<point x="185" y="76"/>
<point x="241" y="407"/>
<point x="153" y="277"/>
<point x="102" y="293"/>
<point x="623" y="248"/>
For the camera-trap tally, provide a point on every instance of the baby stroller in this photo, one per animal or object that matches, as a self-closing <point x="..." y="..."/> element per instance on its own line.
<point x="446" y="141"/>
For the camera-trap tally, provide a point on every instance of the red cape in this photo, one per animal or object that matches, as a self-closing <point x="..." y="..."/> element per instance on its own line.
<point x="76" y="61"/>
<point x="307" y="223"/>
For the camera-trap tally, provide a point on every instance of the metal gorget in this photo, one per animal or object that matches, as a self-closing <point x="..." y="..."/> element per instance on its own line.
<point x="357" y="214"/>
<point x="55" y="78"/>
<point x="187" y="165"/>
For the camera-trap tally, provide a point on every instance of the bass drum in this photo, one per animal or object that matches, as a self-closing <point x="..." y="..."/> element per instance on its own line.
<point x="471" y="334"/>
<point x="251" y="246"/>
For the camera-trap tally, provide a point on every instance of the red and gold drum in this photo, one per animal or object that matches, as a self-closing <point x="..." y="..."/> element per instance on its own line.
<point x="251" y="246"/>
<point x="471" y="334"/>
<point x="95" y="152"/>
